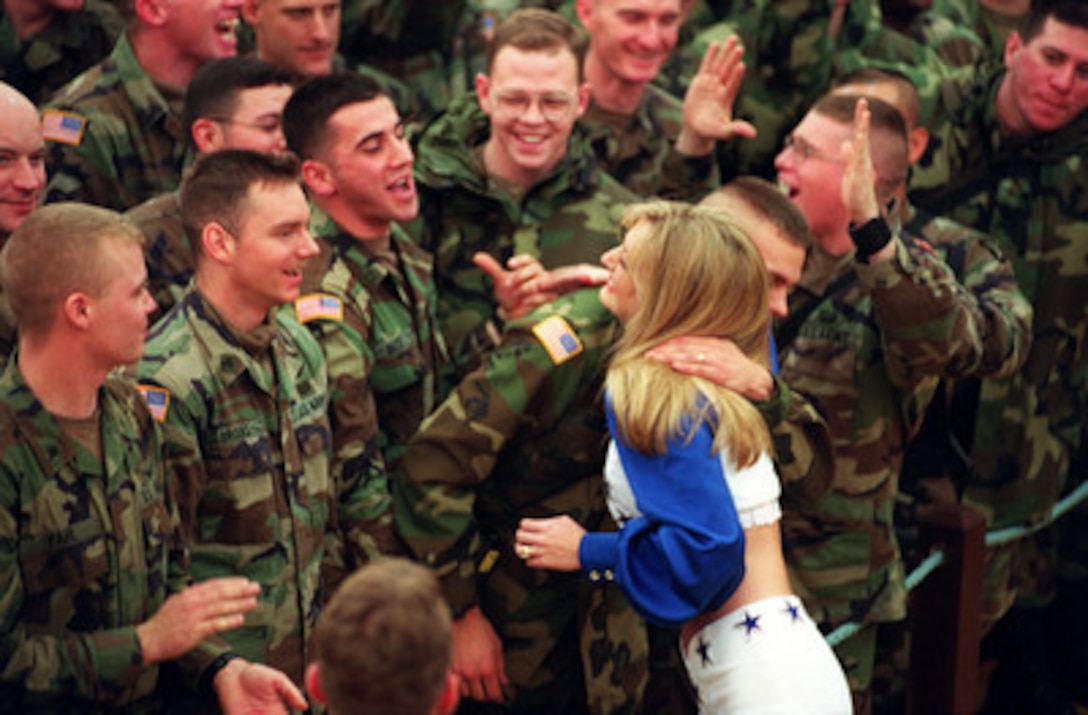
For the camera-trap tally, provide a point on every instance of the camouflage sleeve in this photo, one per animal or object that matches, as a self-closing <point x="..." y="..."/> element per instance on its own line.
<point x="930" y="324"/>
<point x="1006" y="326"/>
<point x="688" y="178"/>
<point x="87" y="172"/>
<point x="363" y="511"/>
<point x="92" y="665"/>
<point x="455" y="451"/>
<point x="803" y="453"/>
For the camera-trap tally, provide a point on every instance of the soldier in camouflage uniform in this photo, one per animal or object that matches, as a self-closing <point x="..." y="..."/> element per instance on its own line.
<point x="1007" y="158"/>
<point x="241" y="389"/>
<point x="41" y="53"/>
<point x="232" y="103"/>
<point x="369" y="298"/>
<point x="94" y="569"/>
<point x="873" y="322"/>
<point x="483" y="188"/>
<point x="647" y="139"/>
<point x="116" y="131"/>
<point x="22" y="182"/>
<point x="523" y="435"/>
<point x="933" y="455"/>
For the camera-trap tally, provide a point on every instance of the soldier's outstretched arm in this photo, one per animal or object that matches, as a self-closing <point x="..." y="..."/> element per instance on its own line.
<point x="928" y="320"/>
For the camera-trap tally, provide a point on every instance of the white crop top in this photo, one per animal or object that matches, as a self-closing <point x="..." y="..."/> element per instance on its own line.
<point x="755" y="489"/>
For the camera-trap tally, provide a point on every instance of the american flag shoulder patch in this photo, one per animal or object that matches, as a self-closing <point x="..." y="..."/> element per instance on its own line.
<point x="157" y="399"/>
<point x="63" y="127"/>
<point x="318" y="306"/>
<point x="558" y="338"/>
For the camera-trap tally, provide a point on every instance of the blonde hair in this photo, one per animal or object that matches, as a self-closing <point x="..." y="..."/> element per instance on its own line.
<point x="58" y="250"/>
<point x="695" y="273"/>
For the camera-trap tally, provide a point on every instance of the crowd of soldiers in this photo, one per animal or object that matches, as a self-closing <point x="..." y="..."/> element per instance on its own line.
<point x="371" y="236"/>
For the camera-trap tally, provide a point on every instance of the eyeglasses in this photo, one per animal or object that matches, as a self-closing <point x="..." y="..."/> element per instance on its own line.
<point x="268" y="125"/>
<point x="806" y="151"/>
<point x="554" y="106"/>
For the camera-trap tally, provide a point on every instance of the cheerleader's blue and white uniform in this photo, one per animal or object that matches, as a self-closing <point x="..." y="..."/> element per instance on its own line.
<point x="679" y="553"/>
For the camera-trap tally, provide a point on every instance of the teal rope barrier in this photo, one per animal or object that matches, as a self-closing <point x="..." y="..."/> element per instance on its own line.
<point x="1012" y="533"/>
<point x="993" y="538"/>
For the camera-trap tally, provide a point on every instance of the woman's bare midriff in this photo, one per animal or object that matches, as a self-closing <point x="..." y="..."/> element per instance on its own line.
<point x="765" y="576"/>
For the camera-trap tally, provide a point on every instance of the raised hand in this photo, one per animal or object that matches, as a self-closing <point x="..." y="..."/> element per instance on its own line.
<point x="708" y="104"/>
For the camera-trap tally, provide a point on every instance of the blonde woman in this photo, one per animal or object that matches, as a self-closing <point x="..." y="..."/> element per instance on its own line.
<point x="689" y="477"/>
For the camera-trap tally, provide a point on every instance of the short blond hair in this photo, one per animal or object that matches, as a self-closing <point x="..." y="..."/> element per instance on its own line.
<point x="383" y="643"/>
<point x="58" y="250"/>
<point x="696" y="274"/>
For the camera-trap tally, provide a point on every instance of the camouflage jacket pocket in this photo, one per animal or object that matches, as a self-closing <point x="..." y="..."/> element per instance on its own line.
<point x="72" y="557"/>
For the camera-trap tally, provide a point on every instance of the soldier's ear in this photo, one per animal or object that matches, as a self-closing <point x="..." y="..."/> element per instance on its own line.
<point x="152" y="12"/>
<point x="583" y="9"/>
<point x="312" y="680"/>
<point x="585" y="93"/>
<point x="450" y="697"/>
<point x="250" y="10"/>
<point x="318" y="177"/>
<point x="1013" y="44"/>
<point x="207" y="135"/>
<point x="917" y="141"/>
<point x="218" y="243"/>
<point x="76" y="308"/>
<point x="483" y="91"/>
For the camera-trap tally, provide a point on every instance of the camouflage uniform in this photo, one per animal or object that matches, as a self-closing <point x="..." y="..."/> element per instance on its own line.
<point x="248" y="435"/>
<point x="787" y="52"/>
<point x="377" y="33"/>
<point x="167" y="250"/>
<point x="90" y="550"/>
<point x="866" y="42"/>
<point x="639" y="151"/>
<point x="1030" y="194"/>
<point x="524" y="436"/>
<point x="133" y="146"/>
<point x="568" y="218"/>
<point x="69" y="44"/>
<point x="865" y="343"/>
<point x="983" y="270"/>
<point x="991" y="28"/>
<point x="377" y="326"/>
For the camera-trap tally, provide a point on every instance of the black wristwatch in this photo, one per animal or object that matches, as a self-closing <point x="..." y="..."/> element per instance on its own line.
<point x="207" y="678"/>
<point x="870" y="237"/>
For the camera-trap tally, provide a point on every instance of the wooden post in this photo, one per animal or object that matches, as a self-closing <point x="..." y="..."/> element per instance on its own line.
<point x="945" y="616"/>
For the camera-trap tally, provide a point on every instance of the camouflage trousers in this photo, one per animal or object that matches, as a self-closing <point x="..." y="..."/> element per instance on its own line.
<point x="570" y="646"/>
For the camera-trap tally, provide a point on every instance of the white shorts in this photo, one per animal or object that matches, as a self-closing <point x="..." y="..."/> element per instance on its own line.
<point x="766" y="657"/>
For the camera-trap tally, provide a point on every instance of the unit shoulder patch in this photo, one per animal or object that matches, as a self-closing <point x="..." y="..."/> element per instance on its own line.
<point x="63" y="127"/>
<point x="318" y="306"/>
<point x="558" y="338"/>
<point x="157" y="399"/>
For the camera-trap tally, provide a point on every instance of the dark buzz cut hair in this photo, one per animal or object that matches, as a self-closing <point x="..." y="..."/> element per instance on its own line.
<point x="771" y="205"/>
<point x="213" y="90"/>
<point x="1068" y="12"/>
<point x="884" y="117"/>
<point x="215" y="189"/>
<point x="535" y="30"/>
<point x="307" y="113"/>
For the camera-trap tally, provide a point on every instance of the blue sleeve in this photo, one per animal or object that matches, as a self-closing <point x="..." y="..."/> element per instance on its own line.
<point x="685" y="554"/>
